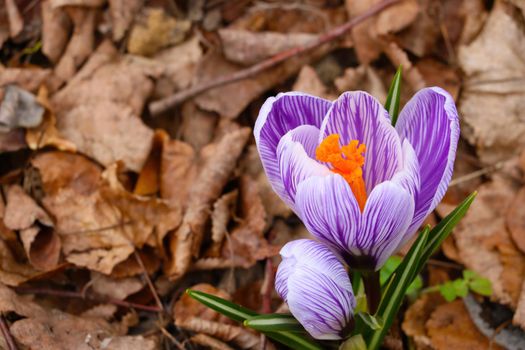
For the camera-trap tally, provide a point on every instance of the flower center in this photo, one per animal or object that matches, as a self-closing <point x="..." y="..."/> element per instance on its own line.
<point x="347" y="161"/>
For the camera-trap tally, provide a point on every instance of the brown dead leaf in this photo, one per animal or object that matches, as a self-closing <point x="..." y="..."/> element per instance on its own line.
<point x="438" y="74"/>
<point x="12" y="141"/>
<point x="12" y="272"/>
<point x="80" y="3"/>
<point x="361" y="78"/>
<point x="27" y="78"/>
<point x="41" y="244"/>
<point x="223" y="210"/>
<point x="80" y="45"/>
<point x="131" y="267"/>
<point x="246" y="47"/>
<point x="16" y="22"/>
<point x="198" y="126"/>
<point x="516" y="220"/>
<point x="122" y="13"/>
<point x="450" y="327"/>
<point x="148" y="182"/>
<point x="178" y="171"/>
<point x="53" y="329"/>
<point x="367" y="35"/>
<point x="56" y="25"/>
<point x="484" y="243"/>
<point x="308" y="81"/>
<point x="492" y="101"/>
<point x="155" y="30"/>
<point x="417" y="315"/>
<point x="19" y="109"/>
<point x="117" y="288"/>
<point x="46" y="134"/>
<point x="210" y="342"/>
<point x="99" y="222"/>
<point x="180" y="63"/>
<point x="99" y="109"/>
<point x="218" y="161"/>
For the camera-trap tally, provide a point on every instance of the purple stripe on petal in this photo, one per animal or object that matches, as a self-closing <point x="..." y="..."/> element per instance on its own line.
<point x="359" y="116"/>
<point x="277" y="116"/>
<point x="318" y="289"/>
<point x="295" y="164"/>
<point x="329" y="210"/>
<point x="430" y="123"/>
<point x="387" y="215"/>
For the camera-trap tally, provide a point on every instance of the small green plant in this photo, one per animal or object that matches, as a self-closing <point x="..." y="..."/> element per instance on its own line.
<point x="460" y="287"/>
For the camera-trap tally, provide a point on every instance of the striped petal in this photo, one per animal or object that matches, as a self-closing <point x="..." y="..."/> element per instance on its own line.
<point x="387" y="215"/>
<point x="329" y="210"/>
<point x="317" y="289"/>
<point x="429" y="121"/>
<point x="359" y="116"/>
<point x="295" y="165"/>
<point x="277" y="116"/>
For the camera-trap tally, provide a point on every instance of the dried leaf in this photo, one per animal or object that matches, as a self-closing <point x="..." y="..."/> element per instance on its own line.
<point x="99" y="110"/>
<point x="451" y="327"/>
<point x="12" y="272"/>
<point x="16" y="22"/>
<point x="122" y="13"/>
<point x="247" y="47"/>
<point x="308" y="81"/>
<point x="19" y="109"/>
<point x="21" y="211"/>
<point x="12" y="141"/>
<point x="223" y="209"/>
<point x="361" y="78"/>
<point x="219" y="159"/>
<point x="117" y="288"/>
<point x="56" y="25"/>
<point x="492" y="101"/>
<point x="187" y="307"/>
<point x="210" y="342"/>
<point x="80" y="45"/>
<point x="484" y="243"/>
<point x="516" y="220"/>
<point x="29" y="79"/>
<point x="198" y="126"/>
<point x="417" y="315"/>
<point x="155" y="30"/>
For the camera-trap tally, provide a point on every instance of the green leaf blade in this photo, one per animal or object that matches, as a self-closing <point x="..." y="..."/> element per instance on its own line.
<point x="394" y="96"/>
<point x="274" y="323"/>
<point x="222" y="306"/>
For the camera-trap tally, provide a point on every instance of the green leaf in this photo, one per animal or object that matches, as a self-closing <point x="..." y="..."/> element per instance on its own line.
<point x="225" y="307"/>
<point x="441" y="231"/>
<point x="355" y="343"/>
<point x="415" y="286"/>
<point x="460" y="287"/>
<point x="372" y="322"/>
<point x="240" y="314"/>
<point x="469" y="274"/>
<point x="447" y="291"/>
<point x="390" y="266"/>
<point x="393" y="296"/>
<point x="394" y="94"/>
<point x="481" y="286"/>
<point x="274" y="323"/>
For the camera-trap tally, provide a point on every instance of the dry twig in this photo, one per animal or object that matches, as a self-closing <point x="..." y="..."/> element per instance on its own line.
<point x="164" y="104"/>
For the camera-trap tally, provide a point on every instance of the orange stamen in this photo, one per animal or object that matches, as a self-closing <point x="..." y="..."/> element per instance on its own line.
<point x="347" y="161"/>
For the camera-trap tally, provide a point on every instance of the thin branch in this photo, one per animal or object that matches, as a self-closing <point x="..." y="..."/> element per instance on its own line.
<point x="148" y="280"/>
<point x="11" y="345"/>
<point x="80" y="295"/>
<point x="166" y="103"/>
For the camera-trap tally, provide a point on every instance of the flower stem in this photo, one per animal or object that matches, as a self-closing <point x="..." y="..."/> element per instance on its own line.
<point x="372" y="290"/>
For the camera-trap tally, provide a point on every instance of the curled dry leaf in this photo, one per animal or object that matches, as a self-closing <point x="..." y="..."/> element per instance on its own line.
<point x="367" y="35"/>
<point x="80" y="45"/>
<point x="491" y="104"/>
<point x="247" y="47"/>
<point x="122" y="13"/>
<point x="450" y="327"/>
<point x="19" y="109"/>
<point x="218" y="161"/>
<point x="56" y="25"/>
<point x="180" y="63"/>
<point x="308" y="81"/>
<point x="54" y="329"/>
<point x="484" y="243"/>
<point x="223" y="210"/>
<point x="27" y="78"/>
<point x="155" y="30"/>
<point x="41" y="243"/>
<point x="13" y="272"/>
<point x="99" y="110"/>
<point x="118" y="288"/>
<point x="210" y="342"/>
<point x="100" y="223"/>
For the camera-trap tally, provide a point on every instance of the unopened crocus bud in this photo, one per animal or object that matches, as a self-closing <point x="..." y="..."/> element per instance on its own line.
<point x="316" y="286"/>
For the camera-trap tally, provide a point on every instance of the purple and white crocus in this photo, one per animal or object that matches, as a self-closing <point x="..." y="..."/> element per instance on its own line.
<point x="361" y="186"/>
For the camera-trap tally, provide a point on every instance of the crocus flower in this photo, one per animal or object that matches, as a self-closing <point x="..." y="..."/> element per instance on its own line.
<point x="358" y="183"/>
<point x="317" y="289"/>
